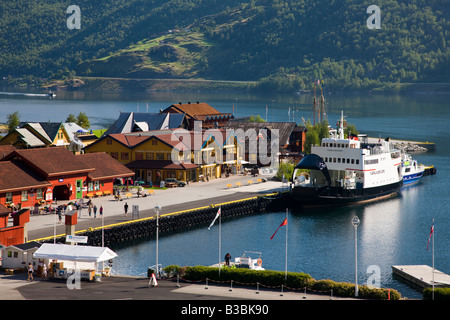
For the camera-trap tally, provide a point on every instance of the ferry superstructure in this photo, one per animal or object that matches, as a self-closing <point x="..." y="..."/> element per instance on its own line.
<point x="347" y="170"/>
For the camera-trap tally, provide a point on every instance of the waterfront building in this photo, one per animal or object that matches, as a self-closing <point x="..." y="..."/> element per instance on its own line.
<point x="291" y="139"/>
<point x="209" y="116"/>
<point x="33" y="177"/>
<point x="150" y="154"/>
<point x="48" y="134"/>
<point x="37" y="135"/>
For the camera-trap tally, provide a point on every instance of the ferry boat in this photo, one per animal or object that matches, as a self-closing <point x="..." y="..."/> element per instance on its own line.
<point x="347" y="170"/>
<point x="411" y="170"/>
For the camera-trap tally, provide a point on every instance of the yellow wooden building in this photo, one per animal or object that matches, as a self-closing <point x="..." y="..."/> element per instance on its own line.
<point x="157" y="155"/>
<point x="37" y="135"/>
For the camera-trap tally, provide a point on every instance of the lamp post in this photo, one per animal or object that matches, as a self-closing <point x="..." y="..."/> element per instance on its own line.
<point x="157" y="210"/>
<point x="355" y="222"/>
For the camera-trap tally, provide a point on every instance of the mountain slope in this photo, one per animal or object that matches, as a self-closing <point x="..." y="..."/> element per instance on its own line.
<point x="284" y="44"/>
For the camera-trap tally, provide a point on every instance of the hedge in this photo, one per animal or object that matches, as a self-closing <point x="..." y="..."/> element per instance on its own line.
<point x="270" y="278"/>
<point x="439" y="293"/>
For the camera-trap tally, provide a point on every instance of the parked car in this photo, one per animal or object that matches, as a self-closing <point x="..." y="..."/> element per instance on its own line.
<point x="172" y="182"/>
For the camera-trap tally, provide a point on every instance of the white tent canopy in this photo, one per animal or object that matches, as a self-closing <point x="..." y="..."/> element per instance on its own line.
<point x="74" y="253"/>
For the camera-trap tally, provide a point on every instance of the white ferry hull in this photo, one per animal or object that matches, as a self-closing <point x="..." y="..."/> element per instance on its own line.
<point x="327" y="196"/>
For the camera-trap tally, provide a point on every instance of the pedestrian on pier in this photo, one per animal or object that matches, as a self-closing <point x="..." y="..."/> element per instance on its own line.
<point x="101" y="211"/>
<point x="95" y="211"/>
<point x="125" y="208"/>
<point x="227" y="259"/>
<point x="30" y="272"/>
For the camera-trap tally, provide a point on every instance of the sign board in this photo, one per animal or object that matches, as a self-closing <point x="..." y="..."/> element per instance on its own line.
<point x="77" y="239"/>
<point x="135" y="211"/>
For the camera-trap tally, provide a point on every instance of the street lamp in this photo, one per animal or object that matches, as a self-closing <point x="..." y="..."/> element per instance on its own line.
<point x="157" y="210"/>
<point x="355" y="222"/>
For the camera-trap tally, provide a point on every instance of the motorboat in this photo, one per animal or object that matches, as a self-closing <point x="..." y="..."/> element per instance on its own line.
<point x="411" y="170"/>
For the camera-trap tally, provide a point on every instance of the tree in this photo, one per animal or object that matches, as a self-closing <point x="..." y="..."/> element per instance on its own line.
<point x="83" y="120"/>
<point x="71" y="118"/>
<point x="13" y="121"/>
<point x="256" y="119"/>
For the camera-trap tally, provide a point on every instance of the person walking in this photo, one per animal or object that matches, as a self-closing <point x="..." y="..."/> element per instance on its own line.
<point x="90" y="209"/>
<point x="125" y="208"/>
<point x="95" y="211"/>
<point x="30" y="272"/>
<point x="101" y="211"/>
<point x="44" y="271"/>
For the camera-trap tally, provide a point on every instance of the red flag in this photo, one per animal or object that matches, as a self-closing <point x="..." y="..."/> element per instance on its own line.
<point x="282" y="224"/>
<point x="429" y="237"/>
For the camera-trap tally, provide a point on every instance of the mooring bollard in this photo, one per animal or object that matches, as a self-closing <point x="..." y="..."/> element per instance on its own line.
<point x="304" y="297"/>
<point x="178" y="281"/>
<point x="231" y="286"/>
<point x="257" y="288"/>
<point x="281" y="294"/>
<point x="206" y="287"/>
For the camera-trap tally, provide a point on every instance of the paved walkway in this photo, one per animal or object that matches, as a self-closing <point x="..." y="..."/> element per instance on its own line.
<point x="171" y="200"/>
<point x="17" y="287"/>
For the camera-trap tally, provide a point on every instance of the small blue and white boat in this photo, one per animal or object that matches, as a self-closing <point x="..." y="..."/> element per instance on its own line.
<point x="411" y="170"/>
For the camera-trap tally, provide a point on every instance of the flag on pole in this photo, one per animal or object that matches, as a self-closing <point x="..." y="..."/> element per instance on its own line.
<point x="429" y="237"/>
<point x="215" y="218"/>
<point x="282" y="224"/>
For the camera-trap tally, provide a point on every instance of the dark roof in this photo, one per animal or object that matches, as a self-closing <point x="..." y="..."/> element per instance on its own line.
<point x="14" y="175"/>
<point x="134" y="121"/>
<point x="5" y="150"/>
<point x="27" y="245"/>
<point x="285" y="129"/>
<point x="105" y="166"/>
<point x="50" y="161"/>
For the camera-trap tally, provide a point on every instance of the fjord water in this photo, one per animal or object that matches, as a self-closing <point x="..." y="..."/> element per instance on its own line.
<point x="320" y="241"/>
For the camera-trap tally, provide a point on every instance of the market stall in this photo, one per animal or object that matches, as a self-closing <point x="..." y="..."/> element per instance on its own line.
<point x="63" y="260"/>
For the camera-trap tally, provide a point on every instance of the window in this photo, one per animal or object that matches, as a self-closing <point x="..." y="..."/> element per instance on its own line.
<point x="169" y="156"/>
<point x="109" y="141"/>
<point x="149" y="156"/>
<point x="96" y="185"/>
<point x="24" y="195"/>
<point x="160" y="156"/>
<point x="39" y="193"/>
<point x="124" y="156"/>
<point x="90" y="186"/>
<point x="8" y="197"/>
<point x="115" y="155"/>
<point x="139" y="156"/>
<point x="154" y="142"/>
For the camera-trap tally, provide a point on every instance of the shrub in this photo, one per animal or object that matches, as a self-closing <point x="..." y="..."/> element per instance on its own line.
<point x="295" y="280"/>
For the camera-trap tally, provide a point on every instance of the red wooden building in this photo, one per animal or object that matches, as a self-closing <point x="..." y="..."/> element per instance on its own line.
<point x="32" y="176"/>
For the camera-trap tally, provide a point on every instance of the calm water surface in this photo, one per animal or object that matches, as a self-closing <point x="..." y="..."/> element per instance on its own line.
<point x="320" y="241"/>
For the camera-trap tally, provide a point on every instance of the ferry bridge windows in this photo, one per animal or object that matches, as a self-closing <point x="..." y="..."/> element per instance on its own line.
<point x="341" y="160"/>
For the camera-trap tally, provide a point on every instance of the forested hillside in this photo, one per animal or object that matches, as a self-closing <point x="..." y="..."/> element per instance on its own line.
<point x="284" y="44"/>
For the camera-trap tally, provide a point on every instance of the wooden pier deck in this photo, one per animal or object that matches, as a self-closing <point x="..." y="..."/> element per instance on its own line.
<point x="422" y="275"/>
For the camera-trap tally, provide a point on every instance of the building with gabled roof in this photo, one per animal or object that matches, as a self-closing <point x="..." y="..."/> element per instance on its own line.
<point x="200" y="111"/>
<point x="30" y="177"/>
<point x="140" y="121"/>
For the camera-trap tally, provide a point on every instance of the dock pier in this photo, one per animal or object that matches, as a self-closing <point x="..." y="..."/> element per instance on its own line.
<point x="421" y="276"/>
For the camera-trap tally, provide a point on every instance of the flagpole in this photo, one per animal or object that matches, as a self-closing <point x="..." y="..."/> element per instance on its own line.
<point x="285" y="262"/>
<point x="220" y="238"/>
<point x="433" y="262"/>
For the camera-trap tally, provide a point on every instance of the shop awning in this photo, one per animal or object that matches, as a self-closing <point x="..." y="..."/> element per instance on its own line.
<point x="74" y="253"/>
